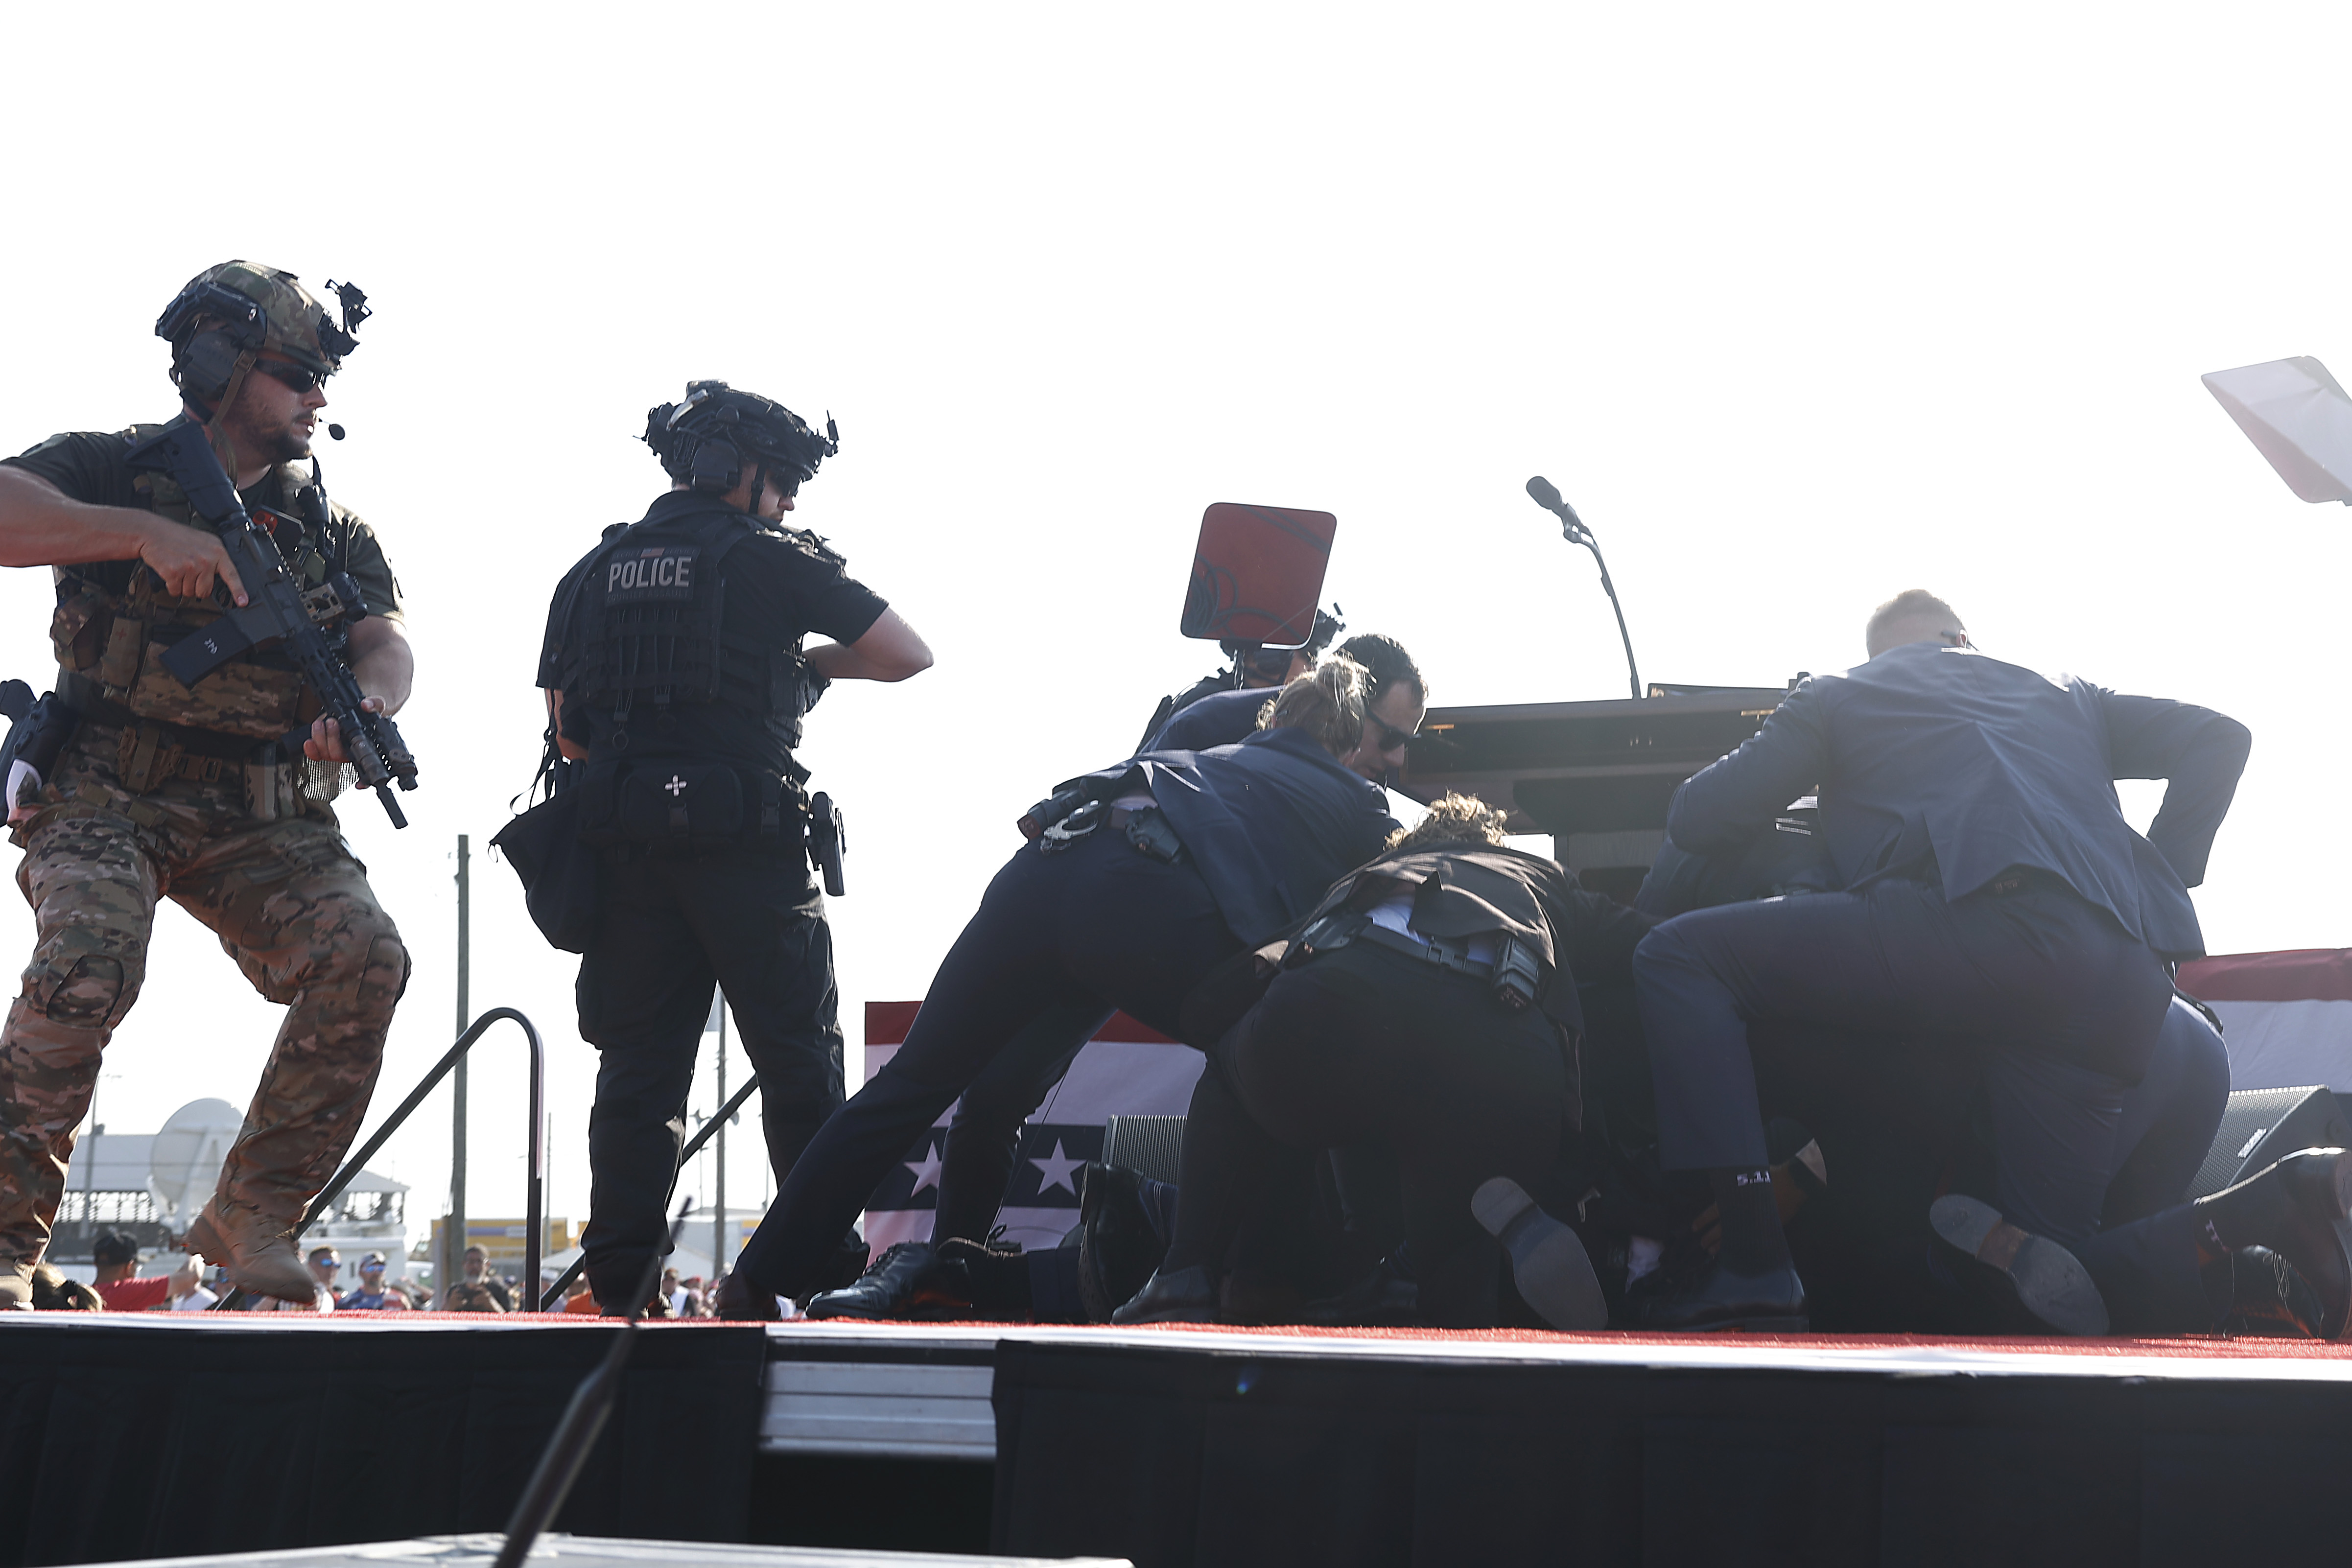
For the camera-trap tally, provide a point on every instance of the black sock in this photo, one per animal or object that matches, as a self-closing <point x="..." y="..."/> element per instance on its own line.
<point x="2251" y="1214"/>
<point x="1752" y="1241"/>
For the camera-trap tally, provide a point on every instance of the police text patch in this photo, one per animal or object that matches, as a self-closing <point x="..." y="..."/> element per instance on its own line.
<point x="657" y="571"/>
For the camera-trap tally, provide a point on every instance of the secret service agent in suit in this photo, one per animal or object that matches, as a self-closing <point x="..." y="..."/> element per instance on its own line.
<point x="983" y="1138"/>
<point x="1430" y="1005"/>
<point x="1994" y="892"/>
<point x="1197" y="857"/>
<point x="1891" y="1133"/>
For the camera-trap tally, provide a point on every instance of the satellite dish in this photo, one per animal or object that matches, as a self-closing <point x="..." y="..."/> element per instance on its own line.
<point x="184" y="1165"/>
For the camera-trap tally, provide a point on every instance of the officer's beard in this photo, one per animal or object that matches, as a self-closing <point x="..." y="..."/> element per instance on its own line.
<point x="283" y="442"/>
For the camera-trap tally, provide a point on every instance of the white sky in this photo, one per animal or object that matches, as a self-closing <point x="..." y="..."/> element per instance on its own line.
<point x="1798" y="309"/>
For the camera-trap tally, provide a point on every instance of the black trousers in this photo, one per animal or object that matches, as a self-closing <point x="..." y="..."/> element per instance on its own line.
<point x="984" y="1139"/>
<point x="1362" y="1045"/>
<point x="2068" y="1002"/>
<point x="751" y="923"/>
<point x="1099" y="924"/>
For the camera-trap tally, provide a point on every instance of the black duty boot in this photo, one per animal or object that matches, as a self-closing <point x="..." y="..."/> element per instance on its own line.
<point x="1549" y="1262"/>
<point x="2269" y="1300"/>
<point x="1184" y="1297"/>
<point x="987" y="1282"/>
<point x="2297" y="1207"/>
<point x="883" y="1289"/>
<point x="1119" y="1246"/>
<point x="2045" y="1286"/>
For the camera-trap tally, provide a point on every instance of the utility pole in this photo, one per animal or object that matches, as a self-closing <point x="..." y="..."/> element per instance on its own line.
<point x="453" y="1235"/>
<point x="719" y="1209"/>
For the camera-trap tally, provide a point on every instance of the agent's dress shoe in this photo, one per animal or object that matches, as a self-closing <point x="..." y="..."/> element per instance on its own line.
<point x="740" y="1301"/>
<point x="1185" y="1296"/>
<point x="1769" y="1303"/>
<point x="1548" y="1263"/>
<point x="2047" y="1283"/>
<point x="256" y="1253"/>
<point x="883" y="1288"/>
<point x="2317" y="1237"/>
<point x="1385" y="1298"/>
<point x="2269" y="1300"/>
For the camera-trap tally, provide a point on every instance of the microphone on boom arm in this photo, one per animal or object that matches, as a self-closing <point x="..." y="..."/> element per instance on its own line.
<point x="1545" y="494"/>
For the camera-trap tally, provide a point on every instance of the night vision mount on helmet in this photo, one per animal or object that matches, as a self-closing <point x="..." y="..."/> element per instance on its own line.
<point x="229" y="315"/>
<point x="708" y="438"/>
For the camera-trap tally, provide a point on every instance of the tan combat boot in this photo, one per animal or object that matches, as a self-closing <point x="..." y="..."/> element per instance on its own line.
<point x="16" y="1284"/>
<point x="257" y="1253"/>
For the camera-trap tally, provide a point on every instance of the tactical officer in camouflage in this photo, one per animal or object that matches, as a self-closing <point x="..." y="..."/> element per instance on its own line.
<point x="677" y="681"/>
<point x="197" y="794"/>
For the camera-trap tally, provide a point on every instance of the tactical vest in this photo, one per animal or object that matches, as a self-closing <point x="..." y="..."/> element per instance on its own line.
<point x="653" y="662"/>
<point x="114" y="640"/>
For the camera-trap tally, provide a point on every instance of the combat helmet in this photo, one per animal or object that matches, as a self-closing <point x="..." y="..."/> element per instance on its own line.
<point x="229" y="315"/>
<point x="708" y="438"/>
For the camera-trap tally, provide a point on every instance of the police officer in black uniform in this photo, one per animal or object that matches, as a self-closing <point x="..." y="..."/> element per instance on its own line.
<point x="677" y="680"/>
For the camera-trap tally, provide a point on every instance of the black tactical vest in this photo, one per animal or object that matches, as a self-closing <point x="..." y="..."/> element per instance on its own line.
<point x="653" y="657"/>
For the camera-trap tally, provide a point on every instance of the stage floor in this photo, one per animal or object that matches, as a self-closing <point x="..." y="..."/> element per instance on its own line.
<point x="126" y="1435"/>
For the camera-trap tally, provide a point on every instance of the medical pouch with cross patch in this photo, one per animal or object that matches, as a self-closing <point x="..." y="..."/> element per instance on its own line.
<point x="690" y="801"/>
<point x="685" y="805"/>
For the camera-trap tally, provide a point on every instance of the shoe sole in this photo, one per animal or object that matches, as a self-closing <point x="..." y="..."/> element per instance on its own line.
<point x="1547" y="1261"/>
<point x="2051" y="1282"/>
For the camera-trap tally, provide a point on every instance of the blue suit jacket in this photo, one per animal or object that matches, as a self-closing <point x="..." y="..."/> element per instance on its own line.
<point x="1270" y="822"/>
<point x="1941" y="761"/>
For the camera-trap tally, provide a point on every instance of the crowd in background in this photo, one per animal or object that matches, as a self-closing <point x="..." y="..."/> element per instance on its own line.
<point x="189" y="1284"/>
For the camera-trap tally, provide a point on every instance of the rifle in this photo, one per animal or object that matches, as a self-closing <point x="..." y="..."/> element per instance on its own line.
<point x="278" y="612"/>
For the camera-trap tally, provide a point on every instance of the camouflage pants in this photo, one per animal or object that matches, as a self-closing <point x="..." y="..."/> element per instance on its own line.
<point x="288" y="902"/>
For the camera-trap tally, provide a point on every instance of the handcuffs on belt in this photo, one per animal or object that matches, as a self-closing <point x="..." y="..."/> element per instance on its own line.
<point x="1147" y="828"/>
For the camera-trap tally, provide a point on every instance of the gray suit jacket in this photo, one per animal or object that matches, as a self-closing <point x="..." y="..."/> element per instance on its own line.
<point x="1941" y="763"/>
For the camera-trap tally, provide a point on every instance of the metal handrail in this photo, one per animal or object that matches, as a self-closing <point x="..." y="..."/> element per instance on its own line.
<point x="552" y="1300"/>
<point x="535" y="1148"/>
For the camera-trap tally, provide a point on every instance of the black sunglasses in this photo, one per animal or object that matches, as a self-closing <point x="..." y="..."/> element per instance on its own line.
<point x="285" y="372"/>
<point x="1390" y="736"/>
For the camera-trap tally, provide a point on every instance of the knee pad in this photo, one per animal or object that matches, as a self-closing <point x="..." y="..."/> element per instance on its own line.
<point x="384" y="976"/>
<point x="81" y="985"/>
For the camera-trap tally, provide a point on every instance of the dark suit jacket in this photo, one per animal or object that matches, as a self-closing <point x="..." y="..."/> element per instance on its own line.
<point x="1941" y="762"/>
<point x="1269" y="822"/>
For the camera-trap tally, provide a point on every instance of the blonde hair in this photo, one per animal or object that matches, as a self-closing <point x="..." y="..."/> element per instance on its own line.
<point x="1327" y="703"/>
<point x="1453" y="819"/>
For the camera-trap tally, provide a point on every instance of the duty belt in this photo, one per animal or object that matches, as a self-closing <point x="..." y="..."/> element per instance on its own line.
<point x="1514" y="974"/>
<point x="155" y="752"/>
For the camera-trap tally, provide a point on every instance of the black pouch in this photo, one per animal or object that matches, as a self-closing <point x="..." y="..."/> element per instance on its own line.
<point x="679" y="803"/>
<point x="557" y="869"/>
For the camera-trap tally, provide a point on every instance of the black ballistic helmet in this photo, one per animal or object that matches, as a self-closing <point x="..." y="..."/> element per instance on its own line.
<point x="711" y="436"/>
